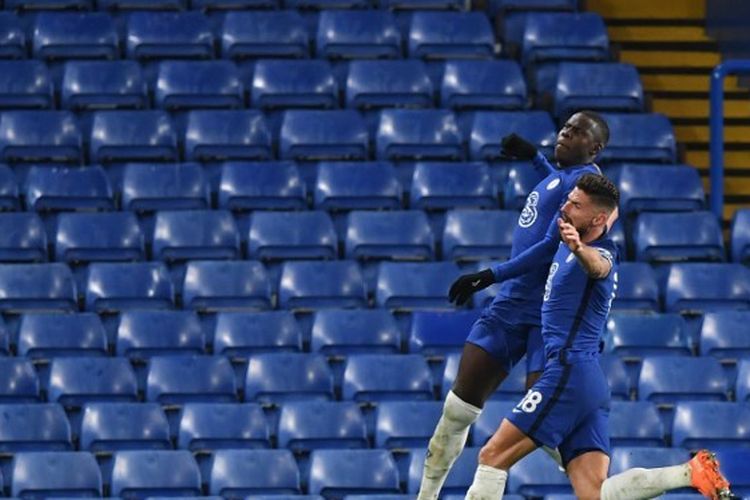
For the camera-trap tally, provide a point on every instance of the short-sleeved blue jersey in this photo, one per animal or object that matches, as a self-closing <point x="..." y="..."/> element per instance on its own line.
<point x="575" y="306"/>
<point x="534" y="224"/>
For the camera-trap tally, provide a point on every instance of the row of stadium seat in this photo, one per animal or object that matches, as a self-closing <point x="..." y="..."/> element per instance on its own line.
<point x="468" y="235"/>
<point x="138" y="334"/>
<point x="281" y="83"/>
<point x="334" y="474"/>
<point x="282" y="376"/>
<point x="304" y="426"/>
<point x="425" y="34"/>
<point x="219" y="135"/>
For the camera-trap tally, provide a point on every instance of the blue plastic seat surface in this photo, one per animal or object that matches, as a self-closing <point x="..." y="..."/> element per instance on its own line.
<point x="40" y="136"/>
<point x="53" y="335"/>
<point x="198" y="84"/>
<point x="740" y="236"/>
<point x="292" y="235"/>
<point x="180" y="379"/>
<point x="564" y="35"/>
<point x="310" y="425"/>
<point x="646" y="137"/>
<point x="264" y="34"/>
<point x="88" y="85"/>
<point x="722" y="335"/>
<point x="358" y="34"/>
<point x="443" y="185"/>
<point x="141" y="334"/>
<point x="122" y="136"/>
<point x="29" y="87"/>
<point x="383" y="83"/>
<point x="22" y="238"/>
<point x="195" y="234"/>
<point x="635" y="423"/>
<point x="706" y="287"/>
<point x="450" y="35"/>
<point x="418" y="134"/>
<point x="73" y="35"/>
<point x="213" y="285"/>
<point x="60" y="473"/>
<point x="311" y="284"/>
<point x="406" y="285"/>
<point x="76" y="381"/>
<point x="323" y="135"/>
<point x="389" y="235"/>
<point x="489" y="127"/>
<point x="123" y="426"/>
<point x="383" y="377"/>
<point x="278" y="377"/>
<point x="144" y="473"/>
<point x="52" y="188"/>
<point x="695" y="424"/>
<point x="214" y="426"/>
<point x="659" y="188"/>
<point x="242" y="334"/>
<point x="168" y="35"/>
<point x="671" y="379"/>
<point x="34" y="427"/>
<point x="341" y="332"/>
<point x="337" y="473"/>
<point x="482" y="85"/>
<point x="119" y="286"/>
<point x="86" y="237"/>
<point x="147" y="187"/>
<point x="478" y="234"/>
<point x="37" y="287"/>
<point x="261" y="185"/>
<point x="681" y="236"/>
<point x="237" y="473"/>
<point x="357" y="185"/>
<point x="634" y="335"/>
<point x="288" y="83"/>
<point x="597" y="86"/>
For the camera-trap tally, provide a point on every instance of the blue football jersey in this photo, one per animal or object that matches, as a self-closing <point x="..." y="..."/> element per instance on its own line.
<point x="575" y="306"/>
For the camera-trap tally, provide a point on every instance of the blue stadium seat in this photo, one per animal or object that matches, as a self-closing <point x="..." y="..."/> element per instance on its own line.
<point x="681" y="236"/>
<point x="147" y="187"/>
<point x="220" y="5"/>
<point x="8" y="189"/>
<point x="522" y="179"/>
<point x="237" y="473"/>
<point x="34" y="427"/>
<point x="19" y="382"/>
<point x="181" y="379"/>
<point x="627" y="457"/>
<point x="695" y="424"/>
<point x="313" y="5"/>
<point x="34" y="5"/>
<point x="646" y="137"/>
<point x="358" y="34"/>
<point x="635" y="423"/>
<point x="459" y="478"/>
<point x="195" y="234"/>
<point x="659" y="188"/>
<point x="87" y="237"/>
<point x="293" y="84"/>
<point x="407" y="285"/>
<point x="406" y="424"/>
<point x="742" y="384"/>
<point x="108" y="427"/>
<point x="495" y="84"/>
<point x="168" y="35"/>
<point x="39" y="136"/>
<point x="562" y="35"/>
<point x="619" y="382"/>
<point x="598" y="86"/>
<point x="292" y="235"/>
<point x="25" y="84"/>
<point x="121" y="136"/>
<point x="22" y="238"/>
<point x="73" y="35"/>
<point x="37" y="287"/>
<point x="337" y="332"/>
<point x="55" y="473"/>
<point x="489" y="127"/>
<point x="242" y="334"/>
<point x="741" y="236"/>
<point x="264" y="34"/>
<point x="379" y="84"/>
<point x="198" y="84"/>
<point x="12" y="37"/>
<point x="48" y="188"/>
<point x="142" y="474"/>
<point x="279" y="377"/>
<point x="306" y="285"/>
<point x="723" y="336"/>
<point x="142" y="334"/>
<point x="357" y="186"/>
<point x="337" y="473"/>
<point x="128" y="5"/>
<point x="90" y="85"/>
<point x="323" y="135"/>
<point x="478" y="234"/>
<point x="211" y="286"/>
<point x="414" y="134"/>
<point x="74" y="382"/>
<point x="536" y="476"/>
<point x="637" y="288"/>
<point x="489" y="420"/>
<point x="443" y="185"/>
<point x="406" y="5"/>
<point x="384" y="377"/>
<point x="637" y="335"/>
<point x="310" y="425"/>
<point x="451" y="35"/>
<point x="734" y="465"/>
<point x="119" y="286"/>
<point x="389" y="235"/>
<point x="706" y="287"/>
<point x="507" y="6"/>
<point x="439" y="332"/>
<point x="44" y="336"/>
<point x="215" y="426"/>
<point x="261" y="185"/>
<point x="513" y="388"/>
<point x="668" y="379"/>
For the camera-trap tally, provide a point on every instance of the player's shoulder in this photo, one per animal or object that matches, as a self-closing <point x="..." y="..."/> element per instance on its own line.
<point x="606" y="248"/>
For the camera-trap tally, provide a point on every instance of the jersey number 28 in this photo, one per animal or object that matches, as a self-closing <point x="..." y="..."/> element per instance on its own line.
<point x="529" y="403"/>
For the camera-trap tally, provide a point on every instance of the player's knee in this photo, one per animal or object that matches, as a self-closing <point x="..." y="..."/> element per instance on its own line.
<point x="490" y="455"/>
<point x="589" y="490"/>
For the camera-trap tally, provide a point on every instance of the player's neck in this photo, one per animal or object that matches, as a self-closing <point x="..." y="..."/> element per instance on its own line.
<point x="594" y="234"/>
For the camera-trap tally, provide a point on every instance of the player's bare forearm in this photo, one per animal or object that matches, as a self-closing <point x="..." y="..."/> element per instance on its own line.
<point x="592" y="261"/>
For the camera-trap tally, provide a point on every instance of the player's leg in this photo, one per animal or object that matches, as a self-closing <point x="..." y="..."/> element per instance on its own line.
<point x="507" y="446"/>
<point x="478" y="376"/>
<point x="587" y="472"/>
<point x="701" y="472"/>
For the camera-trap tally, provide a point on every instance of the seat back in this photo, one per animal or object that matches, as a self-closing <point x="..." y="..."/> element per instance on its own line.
<point x="57" y="473"/>
<point x="142" y="473"/>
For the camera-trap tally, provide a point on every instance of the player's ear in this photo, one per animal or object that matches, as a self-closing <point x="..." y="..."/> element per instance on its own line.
<point x="598" y="146"/>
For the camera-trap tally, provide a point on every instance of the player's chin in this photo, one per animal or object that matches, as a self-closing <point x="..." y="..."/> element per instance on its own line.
<point x="562" y="154"/>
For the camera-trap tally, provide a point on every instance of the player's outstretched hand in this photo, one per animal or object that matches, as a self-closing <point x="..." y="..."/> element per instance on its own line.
<point x="515" y="146"/>
<point x="569" y="235"/>
<point x="468" y="284"/>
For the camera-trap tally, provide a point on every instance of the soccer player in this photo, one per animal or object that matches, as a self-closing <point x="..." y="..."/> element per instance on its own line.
<point x="510" y="326"/>
<point x="568" y="407"/>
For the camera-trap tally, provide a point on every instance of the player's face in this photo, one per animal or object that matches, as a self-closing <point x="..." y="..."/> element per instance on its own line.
<point x="575" y="141"/>
<point x="579" y="211"/>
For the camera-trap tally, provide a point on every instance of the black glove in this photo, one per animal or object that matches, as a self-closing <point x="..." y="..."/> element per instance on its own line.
<point x="516" y="146"/>
<point x="468" y="284"/>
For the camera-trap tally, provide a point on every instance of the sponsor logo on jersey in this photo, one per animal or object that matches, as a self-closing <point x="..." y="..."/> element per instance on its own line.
<point x="553" y="184"/>
<point x="529" y="212"/>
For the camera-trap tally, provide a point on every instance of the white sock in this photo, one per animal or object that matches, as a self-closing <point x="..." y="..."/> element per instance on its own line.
<point x="634" y="484"/>
<point x="489" y="484"/>
<point x="446" y="444"/>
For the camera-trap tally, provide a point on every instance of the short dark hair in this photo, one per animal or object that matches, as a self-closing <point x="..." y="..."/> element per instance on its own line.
<point x="601" y="129"/>
<point x="600" y="189"/>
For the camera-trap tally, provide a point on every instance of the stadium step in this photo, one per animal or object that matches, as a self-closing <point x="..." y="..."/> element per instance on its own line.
<point x="682" y="59"/>
<point x="701" y="133"/>
<point x="699" y="108"/>
<point x="649" y="9"/>
<point x="680" y="83"/>
<point x="637" y="33"/>
<point x="699" y="158"/>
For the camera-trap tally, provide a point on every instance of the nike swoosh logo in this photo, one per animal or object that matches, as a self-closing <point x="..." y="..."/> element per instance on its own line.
<point x="475" y="283"/>
<point x="516" y="410"/>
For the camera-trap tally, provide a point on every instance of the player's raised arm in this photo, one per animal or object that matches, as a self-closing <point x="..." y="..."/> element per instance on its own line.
<point x="515" y="146"/>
